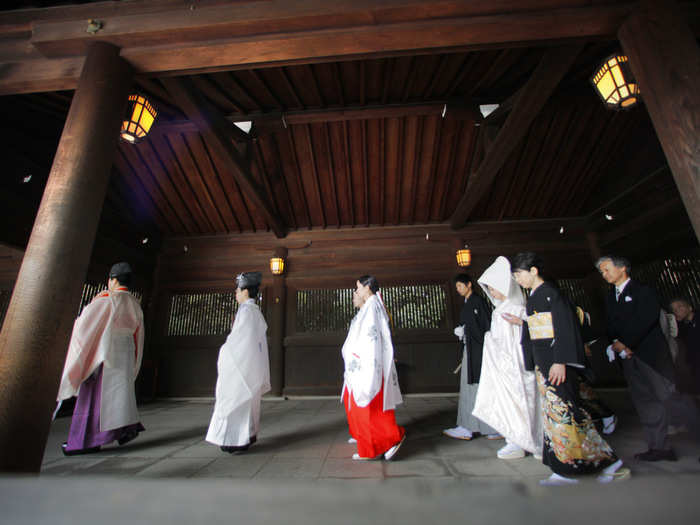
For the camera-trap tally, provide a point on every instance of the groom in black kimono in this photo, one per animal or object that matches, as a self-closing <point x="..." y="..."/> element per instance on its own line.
<point x="474" y="322"/>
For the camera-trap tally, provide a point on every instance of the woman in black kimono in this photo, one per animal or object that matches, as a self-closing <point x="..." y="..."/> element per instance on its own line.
<point x="552" y="344"/>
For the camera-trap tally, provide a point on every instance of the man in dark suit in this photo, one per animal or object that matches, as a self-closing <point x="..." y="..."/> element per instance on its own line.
<point x="475" y="321"/>
<point x="633" y="327"/>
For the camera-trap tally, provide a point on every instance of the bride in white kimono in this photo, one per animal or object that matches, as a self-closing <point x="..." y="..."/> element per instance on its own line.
<point x="244" y="373"/>
<point x="507" y="396"/>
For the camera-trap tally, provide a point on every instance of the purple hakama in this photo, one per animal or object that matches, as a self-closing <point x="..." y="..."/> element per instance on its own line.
<point x="85" y="426"/>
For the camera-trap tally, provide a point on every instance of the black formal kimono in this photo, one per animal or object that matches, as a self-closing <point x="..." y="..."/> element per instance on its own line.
<point x="475" y="317"/>
<point x="551" y="334"/>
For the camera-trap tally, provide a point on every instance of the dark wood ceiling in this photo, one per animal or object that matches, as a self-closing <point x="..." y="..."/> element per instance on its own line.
<point x="357" y="143"/>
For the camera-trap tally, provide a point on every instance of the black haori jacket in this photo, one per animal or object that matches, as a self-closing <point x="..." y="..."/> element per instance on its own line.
<point x="476" y="319"/>
<point x="634" y="320"/>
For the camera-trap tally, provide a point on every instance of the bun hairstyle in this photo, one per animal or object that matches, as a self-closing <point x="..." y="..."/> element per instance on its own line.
<point x="525" y="261"/>
<point x="371" y="281"/>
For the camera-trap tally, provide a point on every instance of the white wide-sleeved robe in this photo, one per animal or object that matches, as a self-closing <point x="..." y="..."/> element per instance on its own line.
<point x="369" y="357"/>
<point x="109" y="331"/>
<point x="244" y="377"/>
<point x="507" y="397"/>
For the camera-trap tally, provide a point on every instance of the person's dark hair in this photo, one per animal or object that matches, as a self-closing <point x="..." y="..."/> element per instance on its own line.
<point x="617" y="260"/>
<point x="124" y="279"/>
<point x="525" y="261"/>
<point x="253" y="290"/>
<point x="371" y="281"/>
<point x="464" y="278"/>
<point x="681" y="299"/>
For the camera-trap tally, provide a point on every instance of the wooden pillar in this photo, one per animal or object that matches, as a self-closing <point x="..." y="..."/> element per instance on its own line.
<point x="277" y="327"/>
<point x="665" y="59"/>
<point x="35" y="335"/>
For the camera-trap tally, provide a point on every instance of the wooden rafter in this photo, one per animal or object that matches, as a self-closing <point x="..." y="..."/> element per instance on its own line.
<point x="44" y="50"/>
<point x="311" y="116"/>
<point x="531" y="98"/>
<point x="218" y="133"/>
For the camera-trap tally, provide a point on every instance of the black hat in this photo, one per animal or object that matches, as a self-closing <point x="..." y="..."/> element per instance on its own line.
<point x="247" y="279"/>
<point x="121" y="268"/>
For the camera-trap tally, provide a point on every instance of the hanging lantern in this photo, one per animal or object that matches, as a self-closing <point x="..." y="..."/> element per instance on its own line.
<point x="277" y="265"/>
<point x="277" y="260"/>
<point x="464" y="257"/>
<point x="615" y="83"/>
<point x="138" y="119"/>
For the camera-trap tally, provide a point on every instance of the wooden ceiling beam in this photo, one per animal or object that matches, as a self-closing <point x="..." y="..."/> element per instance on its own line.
<point x="271" y="120"/>
<point x="179" y="41"/>
<point x="218" y="133"/>
<point x="530" y="100"/>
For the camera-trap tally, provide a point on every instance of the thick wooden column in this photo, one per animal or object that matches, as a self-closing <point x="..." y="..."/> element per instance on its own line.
<point x="37" y="327"/>
<point x="665" y="59"/>
<point x="278" y="310"/>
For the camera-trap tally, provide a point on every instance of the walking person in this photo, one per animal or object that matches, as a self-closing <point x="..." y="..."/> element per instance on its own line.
<point x="475" y="321"/>
<point x="371" y="388"/>
<point x="243" y="373"/>
<point x="551" y="341"/>
<point x="103" y="360"/>
<point x="507" y="398"/>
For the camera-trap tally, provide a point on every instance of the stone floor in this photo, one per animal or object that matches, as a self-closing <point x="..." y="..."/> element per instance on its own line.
<point x="302" y="458"/>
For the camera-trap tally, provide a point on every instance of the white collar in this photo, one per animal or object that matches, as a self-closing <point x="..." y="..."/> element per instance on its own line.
<point x="622" y="286"/>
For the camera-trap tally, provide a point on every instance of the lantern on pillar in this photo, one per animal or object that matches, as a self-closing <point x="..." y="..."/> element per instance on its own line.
<point x="138" y="119"/>
<point x="277" y="265"/>
<point x="464" y="257"/>
<point x="615" y="84"/>
<point x="277" y="262"/>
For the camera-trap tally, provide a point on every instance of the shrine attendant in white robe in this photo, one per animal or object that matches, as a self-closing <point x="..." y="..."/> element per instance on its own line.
<point x="103" y="360"/>
<point x="244" y="373"/>
<point x="371" y="389"/>
<point x="507" y="397"/>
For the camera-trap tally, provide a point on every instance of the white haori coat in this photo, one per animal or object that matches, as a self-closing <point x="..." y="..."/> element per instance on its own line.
<point x="369" y="357"/>
<point x="507" y="399"/>
<point x="244" y="377"/>
<point x="109" y="331"/>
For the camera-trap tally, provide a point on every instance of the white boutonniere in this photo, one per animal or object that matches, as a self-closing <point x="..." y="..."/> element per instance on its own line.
<point x="476" y="311"/>
<point x="549" y="299"/>
<point x="628" y="299"/>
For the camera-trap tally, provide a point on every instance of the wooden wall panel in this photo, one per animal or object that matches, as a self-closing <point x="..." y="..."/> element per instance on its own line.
<point x="334" y="258"/>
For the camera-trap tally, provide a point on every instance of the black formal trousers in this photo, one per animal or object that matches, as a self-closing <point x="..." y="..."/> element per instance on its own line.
<point x="657" y="402"/>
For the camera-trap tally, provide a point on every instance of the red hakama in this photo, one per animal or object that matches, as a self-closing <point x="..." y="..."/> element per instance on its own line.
<point x="374" y="429"/>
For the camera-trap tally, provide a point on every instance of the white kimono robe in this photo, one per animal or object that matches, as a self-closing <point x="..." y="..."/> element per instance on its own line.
<point x="110" y="332"/>
<point x="507" y="397"/>
<point x="369" y="357"/>
<point x="244" y="376"/>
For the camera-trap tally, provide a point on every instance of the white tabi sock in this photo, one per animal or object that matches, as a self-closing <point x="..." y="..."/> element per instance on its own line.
<point x="557" y="480"/>
<point x="608" y="473"/>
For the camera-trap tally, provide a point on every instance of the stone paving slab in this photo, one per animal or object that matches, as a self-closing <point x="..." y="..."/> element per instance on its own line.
<point x="307" y="439"/>
<point x="290" y="468"/>
<point x="349" y="468"/>
<point x="233" y="467"/>
<point x="175" y="468"/>
<point x="335" y="501"/>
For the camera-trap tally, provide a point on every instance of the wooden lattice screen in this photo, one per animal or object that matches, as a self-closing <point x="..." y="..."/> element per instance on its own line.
<point x="206" y="313"/>
<point x="674" y="277"/>
<point x="411" y="307"/>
